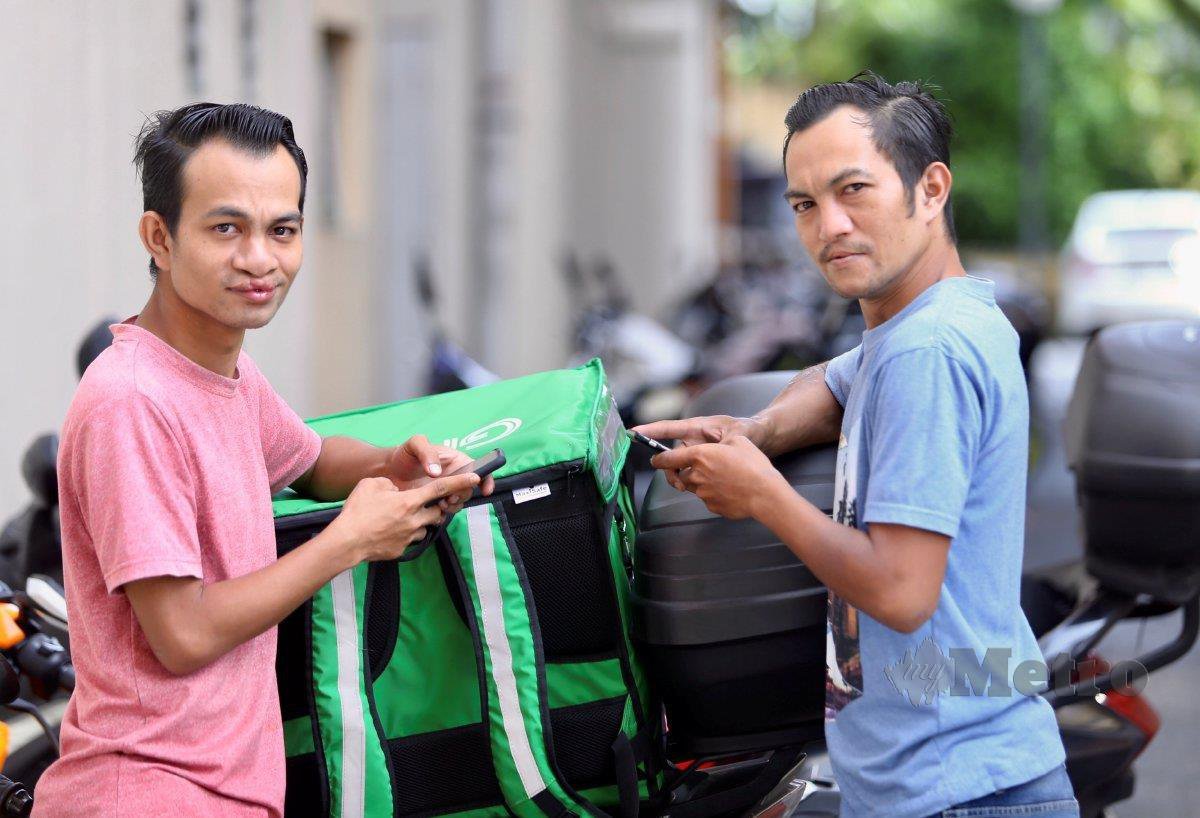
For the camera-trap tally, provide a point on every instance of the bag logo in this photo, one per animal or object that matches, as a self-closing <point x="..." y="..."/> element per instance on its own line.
<point x="486" y="436"/>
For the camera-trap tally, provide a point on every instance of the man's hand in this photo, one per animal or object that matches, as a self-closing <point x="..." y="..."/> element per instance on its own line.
<point x="189" y="624"/>
<point x="805" y="413"/>
<point x="732" y="478"/>
<point x="707" y="429"/>
<point x="379" y="520"/>
<point x="417" y="461"/>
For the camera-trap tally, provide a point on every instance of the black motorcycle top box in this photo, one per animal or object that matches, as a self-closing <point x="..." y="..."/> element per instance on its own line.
<point x="1133" y="441"/>
<point x="730" y="623"/>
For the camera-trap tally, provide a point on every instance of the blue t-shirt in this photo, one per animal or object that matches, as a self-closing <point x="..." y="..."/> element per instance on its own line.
<point x="935" y="435"/>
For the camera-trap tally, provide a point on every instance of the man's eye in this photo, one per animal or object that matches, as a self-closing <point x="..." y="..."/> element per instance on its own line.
<point x="800" y="207"/>
<point x="225" y="228"/>
<point x="854" y="187"/>
<point x="284" y="232"/>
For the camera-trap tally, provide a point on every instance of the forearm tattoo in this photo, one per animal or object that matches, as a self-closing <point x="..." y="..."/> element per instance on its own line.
<point x="804" y="376"/>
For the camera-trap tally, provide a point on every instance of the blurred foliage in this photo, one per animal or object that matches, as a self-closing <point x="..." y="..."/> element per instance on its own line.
<point x="1123" y="88"/>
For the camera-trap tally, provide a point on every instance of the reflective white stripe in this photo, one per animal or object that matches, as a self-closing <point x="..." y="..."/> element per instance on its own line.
<point x="354" y="739"/>
<point x="495" y="638"/>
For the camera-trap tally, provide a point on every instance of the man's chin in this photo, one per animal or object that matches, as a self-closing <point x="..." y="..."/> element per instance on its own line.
<point x="250" y="316"/>
<point x="257" y="321"/>
<point x="254" y="318"/>
<point x="847" y="286"/>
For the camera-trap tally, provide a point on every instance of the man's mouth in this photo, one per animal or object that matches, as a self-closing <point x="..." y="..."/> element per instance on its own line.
<point x="830" y="256"/>
<point x="255" y="293"/>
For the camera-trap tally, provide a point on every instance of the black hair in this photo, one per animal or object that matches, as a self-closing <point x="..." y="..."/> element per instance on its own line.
<point x="169" y="138"/>
<point x="909" y="125"/>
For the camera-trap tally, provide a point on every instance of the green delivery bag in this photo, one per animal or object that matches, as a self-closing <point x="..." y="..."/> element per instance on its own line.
<point x="492" y="674"/>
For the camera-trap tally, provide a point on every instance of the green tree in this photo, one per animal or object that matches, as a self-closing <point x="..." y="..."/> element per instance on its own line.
<point x="1124" y="109"/>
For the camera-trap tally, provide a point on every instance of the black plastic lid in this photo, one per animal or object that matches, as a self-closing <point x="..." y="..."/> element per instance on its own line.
<point x="702" y="579"/>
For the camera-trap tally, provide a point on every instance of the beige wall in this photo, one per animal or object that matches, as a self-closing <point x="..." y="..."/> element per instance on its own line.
<point x="77" y="78"/>
<point x="607" y="145"/>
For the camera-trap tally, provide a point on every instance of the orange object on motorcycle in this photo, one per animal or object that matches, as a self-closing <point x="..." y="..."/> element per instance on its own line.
<point x="10" y="632"/>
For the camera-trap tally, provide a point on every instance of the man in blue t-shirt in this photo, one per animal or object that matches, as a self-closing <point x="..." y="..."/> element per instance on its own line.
<point x="930" y="703"/>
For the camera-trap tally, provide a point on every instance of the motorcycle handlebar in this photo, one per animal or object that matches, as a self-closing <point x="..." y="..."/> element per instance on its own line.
<point x="44" y="661"/>
<point x="66" y="677"/>
<point x="15" y="800"/>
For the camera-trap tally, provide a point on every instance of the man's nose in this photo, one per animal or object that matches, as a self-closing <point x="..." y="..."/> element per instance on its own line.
<point x="254" y="257"/>
<point x="835" y="223"/>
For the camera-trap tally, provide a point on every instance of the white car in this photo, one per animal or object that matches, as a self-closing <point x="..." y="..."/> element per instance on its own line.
<point x="1132" y="255"/>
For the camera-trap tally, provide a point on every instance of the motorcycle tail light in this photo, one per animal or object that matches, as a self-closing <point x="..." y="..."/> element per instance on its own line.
<point x="1126" y="704"/>
<point x="1136" y="710"/>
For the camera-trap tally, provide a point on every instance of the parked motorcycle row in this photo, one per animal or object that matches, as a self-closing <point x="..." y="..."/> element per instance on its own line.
<point x="697" y="363"/>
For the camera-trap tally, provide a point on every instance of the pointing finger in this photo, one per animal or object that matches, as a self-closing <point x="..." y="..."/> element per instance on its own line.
<point x="665" y="429"/>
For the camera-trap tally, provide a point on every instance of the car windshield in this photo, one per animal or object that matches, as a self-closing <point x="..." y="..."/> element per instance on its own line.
<point x="1141" y="246"/>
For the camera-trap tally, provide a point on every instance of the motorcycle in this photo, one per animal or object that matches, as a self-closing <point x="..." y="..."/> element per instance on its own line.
<point x="31" y="558"/>
<point x="650" y="370"/>
<point x="450" y="367"/>
<point x="33" y="665"/>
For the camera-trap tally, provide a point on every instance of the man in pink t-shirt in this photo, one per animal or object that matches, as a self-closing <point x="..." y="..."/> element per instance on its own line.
<point x="170" y="452"/>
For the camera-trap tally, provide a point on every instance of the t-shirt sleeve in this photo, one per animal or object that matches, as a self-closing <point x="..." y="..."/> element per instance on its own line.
<point x="289" y="446"/>
<point x="924" y="422"/>
<point x="840" y="372"/>
<point x="136" y="494"/>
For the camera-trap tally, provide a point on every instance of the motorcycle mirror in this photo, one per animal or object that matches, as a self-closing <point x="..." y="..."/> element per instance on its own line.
<point x="424" y="279"/>
<point x="606" y="274"/>
<point x="39" y="467"/>
<point x="48" y="596"/>
<point x="10" y="682"/>
<point x="96" y="341"/>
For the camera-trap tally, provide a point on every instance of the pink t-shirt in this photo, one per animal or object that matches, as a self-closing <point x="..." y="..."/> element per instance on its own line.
<point x="167" y="469"/>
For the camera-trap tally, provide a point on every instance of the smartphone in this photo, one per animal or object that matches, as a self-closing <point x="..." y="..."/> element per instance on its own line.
<point x="638" y="437"/>
<point x="483" y="466"/>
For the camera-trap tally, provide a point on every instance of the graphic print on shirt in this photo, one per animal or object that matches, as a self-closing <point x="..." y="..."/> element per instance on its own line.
<point x="843" y="662"/>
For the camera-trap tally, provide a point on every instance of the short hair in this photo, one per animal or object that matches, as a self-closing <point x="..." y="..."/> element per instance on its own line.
<point x="169" y="138"/>
<point x="909" y="125"/>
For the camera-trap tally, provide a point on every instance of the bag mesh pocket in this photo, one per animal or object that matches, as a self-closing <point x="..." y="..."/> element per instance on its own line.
<point x="445" y="771"/>
<point x="575" y="608"/>
<point x="583" y="737"/>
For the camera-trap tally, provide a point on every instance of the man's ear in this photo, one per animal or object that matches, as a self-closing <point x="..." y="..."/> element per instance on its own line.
<point x="933" y="190"/>
<point x="156" y="238"/>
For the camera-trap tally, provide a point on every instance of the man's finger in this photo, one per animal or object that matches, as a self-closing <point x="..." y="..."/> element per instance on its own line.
<point x="688" y="481"/>
<point x="425" y="453"/>
<point x="452" y="458"/>
<point x="666" y="429"/>
<point x="445" y="486"/>
<point x="680" y="458"/>
<point x="673" y="479"/>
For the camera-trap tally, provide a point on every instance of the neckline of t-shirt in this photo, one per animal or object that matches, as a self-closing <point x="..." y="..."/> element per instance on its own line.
<point x="971" y="286"/>
<point x="191" y="371"/>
